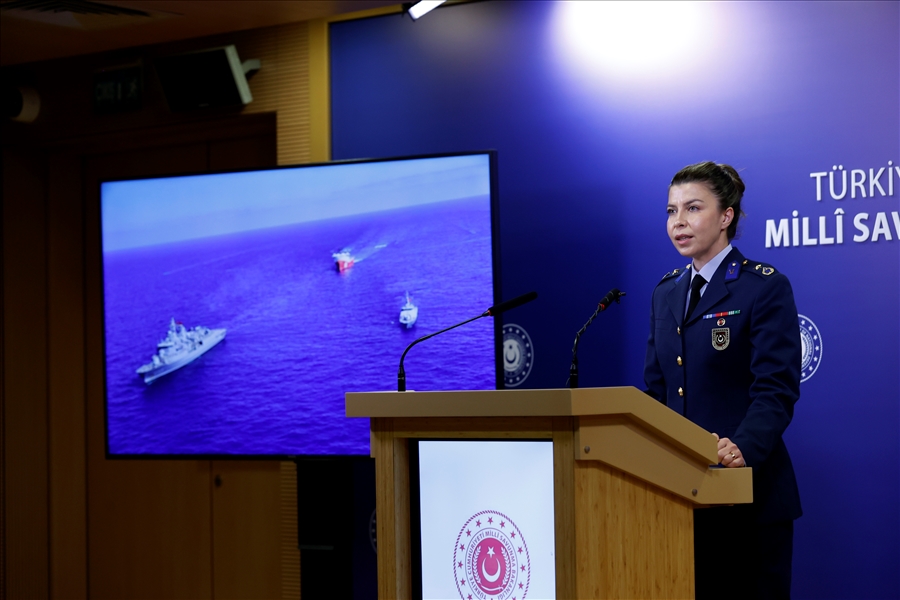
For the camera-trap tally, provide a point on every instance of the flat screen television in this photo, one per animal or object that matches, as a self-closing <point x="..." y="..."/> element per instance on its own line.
<point x="239" y="307"/>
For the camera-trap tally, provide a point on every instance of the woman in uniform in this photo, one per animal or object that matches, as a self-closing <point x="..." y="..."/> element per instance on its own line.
<point x="724" y="351"/>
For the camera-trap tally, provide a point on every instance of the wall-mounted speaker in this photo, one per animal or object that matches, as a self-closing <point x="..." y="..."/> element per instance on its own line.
<point x="206" y="78"/>
<point x="20" y="103"/>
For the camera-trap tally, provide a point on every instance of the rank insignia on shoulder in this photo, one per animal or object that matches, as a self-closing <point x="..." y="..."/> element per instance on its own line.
<point x="675" y="272"/>
<point x="764" y="269"/>
<point x="670" y="274"/>
<point x="732" y="272"/>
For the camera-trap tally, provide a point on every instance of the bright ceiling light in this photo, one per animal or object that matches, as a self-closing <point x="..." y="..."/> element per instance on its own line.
<point x="425" y="6"/>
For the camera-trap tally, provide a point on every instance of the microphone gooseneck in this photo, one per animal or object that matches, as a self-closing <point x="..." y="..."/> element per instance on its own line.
<point x="491" y="312"/>
<point x="401" y="373"/>
<point x="614" y="295"/>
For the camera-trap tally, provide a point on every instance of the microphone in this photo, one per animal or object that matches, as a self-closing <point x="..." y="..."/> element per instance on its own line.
<point x="491" y="312"/>
<point x="614" y="295"/>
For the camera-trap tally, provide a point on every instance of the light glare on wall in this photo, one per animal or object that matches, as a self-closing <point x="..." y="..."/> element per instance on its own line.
<point x="632" y="40"/>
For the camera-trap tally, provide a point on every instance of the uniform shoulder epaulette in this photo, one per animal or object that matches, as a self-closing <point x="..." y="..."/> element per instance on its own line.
<point x="674" y="273"/>
<point x="758" y="268"/>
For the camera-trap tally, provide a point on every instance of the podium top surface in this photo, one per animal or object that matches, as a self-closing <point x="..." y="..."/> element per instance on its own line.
<point x="623" y="402"/>
<point x="504" y="403"/>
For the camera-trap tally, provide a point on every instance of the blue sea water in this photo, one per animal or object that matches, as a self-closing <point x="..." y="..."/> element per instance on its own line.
<point x="300" y="334"/>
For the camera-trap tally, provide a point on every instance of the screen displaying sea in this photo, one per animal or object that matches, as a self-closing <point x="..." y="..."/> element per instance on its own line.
<point x="299" y="331"/>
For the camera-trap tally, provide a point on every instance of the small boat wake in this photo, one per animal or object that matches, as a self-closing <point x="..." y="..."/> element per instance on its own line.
<point x="345" y="258"/>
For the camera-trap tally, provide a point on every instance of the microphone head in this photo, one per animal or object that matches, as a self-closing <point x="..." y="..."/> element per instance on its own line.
<point x="613" y="296"/>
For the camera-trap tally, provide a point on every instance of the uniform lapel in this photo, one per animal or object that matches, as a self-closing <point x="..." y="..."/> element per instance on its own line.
<point x="677" y="296"/>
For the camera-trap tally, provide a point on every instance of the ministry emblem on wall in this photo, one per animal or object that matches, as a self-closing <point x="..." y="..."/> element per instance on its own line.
<point x="518" y="355"/>
<point x="811" y="341"/>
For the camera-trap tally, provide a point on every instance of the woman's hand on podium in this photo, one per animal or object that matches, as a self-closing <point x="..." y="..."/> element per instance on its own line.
<point x="729" y="453"/>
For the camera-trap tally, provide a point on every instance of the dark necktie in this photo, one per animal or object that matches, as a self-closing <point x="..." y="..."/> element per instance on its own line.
<point x="696" y="283"/>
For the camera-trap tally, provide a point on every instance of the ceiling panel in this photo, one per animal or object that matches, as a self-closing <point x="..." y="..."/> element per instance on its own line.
<point x="29" y="35"/>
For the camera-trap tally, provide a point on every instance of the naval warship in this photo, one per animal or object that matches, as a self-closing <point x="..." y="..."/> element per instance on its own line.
<point x="181" y="346"/>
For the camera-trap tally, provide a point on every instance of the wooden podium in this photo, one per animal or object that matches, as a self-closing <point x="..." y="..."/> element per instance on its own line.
<point x="628" y="473"/>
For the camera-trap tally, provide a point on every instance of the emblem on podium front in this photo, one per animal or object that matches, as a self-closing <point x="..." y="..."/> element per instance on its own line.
<point x="518" y="355"/>
<point x="491" y="559"/>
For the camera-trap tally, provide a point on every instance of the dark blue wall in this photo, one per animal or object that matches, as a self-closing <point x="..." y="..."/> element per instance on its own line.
<point x="778" y="89"/>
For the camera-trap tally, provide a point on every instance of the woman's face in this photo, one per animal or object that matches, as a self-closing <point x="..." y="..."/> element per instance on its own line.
<point x="697" y="226"/>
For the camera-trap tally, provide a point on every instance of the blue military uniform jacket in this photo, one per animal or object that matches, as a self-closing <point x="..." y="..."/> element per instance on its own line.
<point x="733" y="368"/>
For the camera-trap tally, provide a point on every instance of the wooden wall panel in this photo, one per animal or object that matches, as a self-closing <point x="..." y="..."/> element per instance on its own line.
<point x="67" y="425"/>
<point x="290" y="543"/>
<point x="246" y="527"/>
<point x="243" y="153"/>
<point x="149" y="530"/>
<point x="112" y="528"/>
<point x="25" y="454"/>
<point x="282" y="85"/>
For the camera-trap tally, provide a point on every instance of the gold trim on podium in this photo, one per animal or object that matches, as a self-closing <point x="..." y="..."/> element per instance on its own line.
<point x="628" y="473"/>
